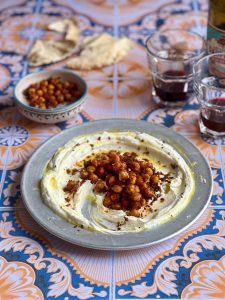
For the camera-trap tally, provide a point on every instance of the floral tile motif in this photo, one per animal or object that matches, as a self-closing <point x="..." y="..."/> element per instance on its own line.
<point x="203" y="284"/>
<point x="169" y="14"/>
<point x="101" y="12"/>
<point x="160" y="115"/>
<point x="193" y="21"/>
<point x="15" y="8"/>
<point x="11" y="187"/>
<point x="19" y="137"/>
<point x="6" y="92"/>
<point x="186" y="123"/>
<point x="86" y="262"/>
<point x="100" y="100"/>
<point x="135" y="64"/>
<point x="17" y="278"/>
<point x="218" y="197"/>
<point x="172" y="274"/>
<point x="44" y="273"/>
<point x="11" y="66"/>
<point x="133" y="11"/>
<point x="7" y="86"/>
<point x="134" y="97"/>
<point x="19" y="31"/>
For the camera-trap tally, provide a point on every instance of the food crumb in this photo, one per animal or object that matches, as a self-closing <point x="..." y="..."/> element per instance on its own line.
<point x="202" y="179"/>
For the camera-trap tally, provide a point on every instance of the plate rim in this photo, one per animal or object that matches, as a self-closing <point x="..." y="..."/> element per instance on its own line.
<point x="113" y="120"/>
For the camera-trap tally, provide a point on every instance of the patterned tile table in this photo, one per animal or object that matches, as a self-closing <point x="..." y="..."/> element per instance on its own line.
<point x="33" y="263"/>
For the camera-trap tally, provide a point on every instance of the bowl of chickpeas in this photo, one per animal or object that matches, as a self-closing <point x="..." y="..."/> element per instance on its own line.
<point x="50" y="96"/>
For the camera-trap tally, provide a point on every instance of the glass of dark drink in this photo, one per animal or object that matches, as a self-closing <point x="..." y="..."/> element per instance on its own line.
<point x="209" y="86"/>
<point x="171" y="55"/>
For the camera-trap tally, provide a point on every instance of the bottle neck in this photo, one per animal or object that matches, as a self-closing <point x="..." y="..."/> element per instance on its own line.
<point x="216" y="18"/>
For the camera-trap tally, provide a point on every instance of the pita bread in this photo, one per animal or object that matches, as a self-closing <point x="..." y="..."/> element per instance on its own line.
<point x="69" y="27"/>
<point x="99" y="51"/>
<point x="46" y="52"/>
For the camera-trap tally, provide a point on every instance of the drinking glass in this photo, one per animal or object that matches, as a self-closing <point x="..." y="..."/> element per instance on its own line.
<point x="209" y="86"/>
<point x="171" y="54"/>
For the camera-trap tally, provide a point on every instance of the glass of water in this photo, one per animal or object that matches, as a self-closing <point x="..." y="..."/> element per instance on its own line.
<point x="209" y="86"/>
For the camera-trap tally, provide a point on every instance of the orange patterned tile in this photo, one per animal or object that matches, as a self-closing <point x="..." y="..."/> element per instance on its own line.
<point x="134" y="97"/>
<point x="17" y="32"/>
<point x="99" y="103"/>
<point x="131" y="11"/>
<point x="207" y="280"/>
<point x="100" y="11"/>
<point x="186" y="123"/>
<point x="129" y="265"/>
<point x="193" y="21"/>
<point x="19" y="137"/>
<point x="16" y="280"/>
<point x="135" y="64"/>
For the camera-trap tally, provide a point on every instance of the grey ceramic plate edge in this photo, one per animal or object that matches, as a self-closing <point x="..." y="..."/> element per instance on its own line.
<point x="62" y="229"/>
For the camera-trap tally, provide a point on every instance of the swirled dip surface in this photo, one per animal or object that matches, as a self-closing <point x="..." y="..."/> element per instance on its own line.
<point x="86" y="208"/>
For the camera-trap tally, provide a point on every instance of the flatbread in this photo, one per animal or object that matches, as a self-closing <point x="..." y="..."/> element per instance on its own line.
<point x="99" y="51"/>
<point x="46" y="52"/>
<point x="67" y="26"/>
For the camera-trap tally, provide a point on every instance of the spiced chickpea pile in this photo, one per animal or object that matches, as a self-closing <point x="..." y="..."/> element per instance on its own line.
<point x="51" y="92"/>
<point x="129" y="183"/>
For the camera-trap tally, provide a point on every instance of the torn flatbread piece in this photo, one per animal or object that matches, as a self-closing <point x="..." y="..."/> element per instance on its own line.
<point x="67" y="26"/>
<point x="46" y="52"/>
<point x="100" y="51"/>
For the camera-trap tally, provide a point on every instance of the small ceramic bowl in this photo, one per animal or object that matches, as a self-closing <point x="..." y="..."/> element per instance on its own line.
<point x="50" y="115"/>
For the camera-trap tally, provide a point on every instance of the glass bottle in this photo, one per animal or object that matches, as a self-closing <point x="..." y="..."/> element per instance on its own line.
<point x="216" y="26"/>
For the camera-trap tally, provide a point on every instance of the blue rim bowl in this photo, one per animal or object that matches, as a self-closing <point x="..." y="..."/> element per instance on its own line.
<point x="26" y="81"/>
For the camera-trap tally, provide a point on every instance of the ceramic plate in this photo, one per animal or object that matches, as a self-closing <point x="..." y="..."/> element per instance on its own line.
<point x="66" y="231"/>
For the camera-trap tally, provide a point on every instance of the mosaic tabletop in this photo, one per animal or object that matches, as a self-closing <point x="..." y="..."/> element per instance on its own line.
<point x="33" y="263"/>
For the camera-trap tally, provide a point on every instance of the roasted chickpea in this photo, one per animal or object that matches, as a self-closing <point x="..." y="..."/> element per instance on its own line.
<point x="116" y="166"/>
<point x="134" y="212"/>
<point x="39" y="92"/>
<point x="44" y="83"/>
<point x="31" y="91"/>
<point x="100" y="186"/>
<point x="115" y="197"/>
<point x="41" y="100"/>
<point x="143" y="202"/>
<point x="146" y="177"/>
<point x="116" y="206"/>
<point x="114" y="157"/>
<point x="149" y="171"/>
<point x="111" y="179"/>
<point x="139" y="180"/>
<point x="131" y="189"/>
<point x="83" y="174"/>
<point x="91" y="169"/>
<point x="132" y="179"/>
<point x="135" y="166"/>
<point x="155" y="179"/>
<point x="93" y="178"/>
<point x="95" y="162"/>
<point x="107" y="202"/>
<point x="117" y="188"/>
<point x="100" y="171"/>
<point x="123" y="175"/>
<point x="136" y="197"/>
<point x="148" y="192"/>
<point x="51" y="87"/>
